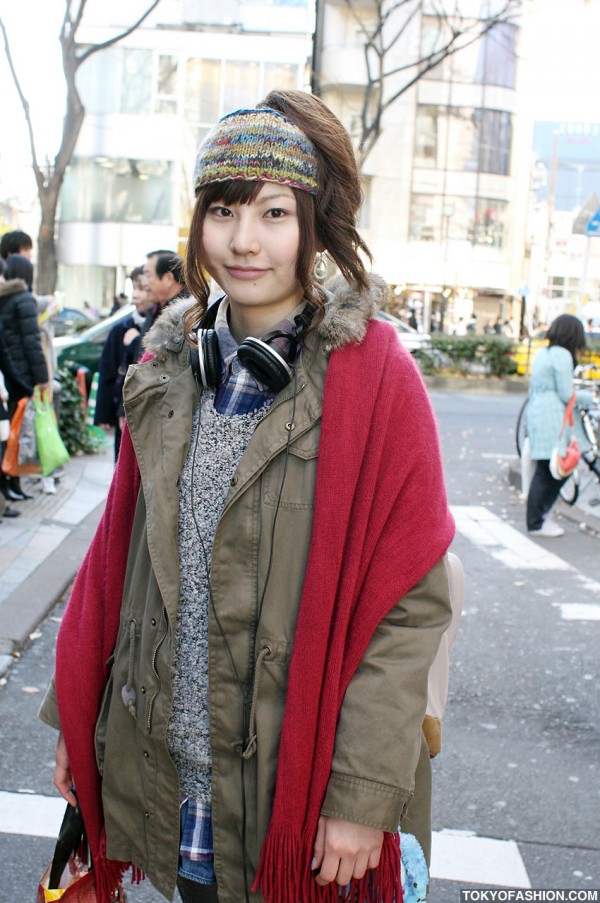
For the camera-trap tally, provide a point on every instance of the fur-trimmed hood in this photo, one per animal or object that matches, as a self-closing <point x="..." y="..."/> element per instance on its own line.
<point x="347" y="313"/>
<point x="12" y="287"/>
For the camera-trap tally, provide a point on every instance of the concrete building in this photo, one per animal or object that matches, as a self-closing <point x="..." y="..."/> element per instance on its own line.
<point x="150" y="99"/>
<point x="445" y="201"/>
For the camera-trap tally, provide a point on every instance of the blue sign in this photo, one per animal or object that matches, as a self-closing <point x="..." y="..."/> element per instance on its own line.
<point x="593" y="226"/>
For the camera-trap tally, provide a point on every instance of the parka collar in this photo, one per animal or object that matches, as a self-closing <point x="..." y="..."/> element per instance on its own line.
<point x="12" y="287"/>
<point x="347" y="313"/>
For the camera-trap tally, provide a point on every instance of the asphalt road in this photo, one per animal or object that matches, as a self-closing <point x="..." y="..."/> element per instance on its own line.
<point x="516" y="790"/>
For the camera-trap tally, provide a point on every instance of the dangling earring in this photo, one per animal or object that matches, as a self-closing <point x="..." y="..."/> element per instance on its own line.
<point x="320" y="267"/>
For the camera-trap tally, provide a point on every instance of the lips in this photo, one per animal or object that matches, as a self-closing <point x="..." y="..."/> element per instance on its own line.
<point x="245" y="272"/>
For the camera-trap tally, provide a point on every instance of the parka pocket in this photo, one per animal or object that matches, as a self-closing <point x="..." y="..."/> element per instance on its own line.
<point x="289" y="479"/>
<point x="101" y="723"/>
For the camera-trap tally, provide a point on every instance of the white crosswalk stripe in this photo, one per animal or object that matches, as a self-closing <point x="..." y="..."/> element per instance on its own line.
<point x="513" y="549"/>
<point x="31" y="814"/>
<point x="503" y="542"/>
<point x="456" y="855"/>
<point x="463" y="856"/>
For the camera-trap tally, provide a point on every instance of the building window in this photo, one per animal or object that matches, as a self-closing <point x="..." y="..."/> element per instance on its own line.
<point x="490" y="60"/>
<point x="118" y="80"/>
<point x="494" y="129"/>
<point x="424" y="218"/>
<point x="280" y="75"/>
<point x="439" y="218"/>
<point x="241" y="84"/>
<point x="490" y="223"/>
<point x="166" y="87"/>
<point x="117" y="190"/>
<point x="135" y="81"/>
<point x="202" y="91"/>
<point x="463" y="139"/>
<point x="426" y="136"/>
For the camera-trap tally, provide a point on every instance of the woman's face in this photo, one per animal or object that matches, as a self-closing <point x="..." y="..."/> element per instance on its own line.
<point x="251" y="251"/>
<point x="140" y="297"/>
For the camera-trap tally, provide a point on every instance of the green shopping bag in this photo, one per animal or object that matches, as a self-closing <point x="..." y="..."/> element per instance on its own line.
<point x="51" y="449"/>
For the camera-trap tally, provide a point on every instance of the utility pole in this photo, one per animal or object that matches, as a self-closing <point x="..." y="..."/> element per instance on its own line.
<point x="315" y="71"/>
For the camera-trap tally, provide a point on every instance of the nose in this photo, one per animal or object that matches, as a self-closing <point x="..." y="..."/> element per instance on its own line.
<point x="244" y="237"/>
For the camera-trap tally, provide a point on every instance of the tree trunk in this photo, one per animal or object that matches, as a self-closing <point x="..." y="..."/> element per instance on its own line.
<point x="47" y="268"/>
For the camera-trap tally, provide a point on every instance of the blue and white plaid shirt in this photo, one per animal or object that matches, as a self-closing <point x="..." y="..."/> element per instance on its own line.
<point x="238" y="393"/>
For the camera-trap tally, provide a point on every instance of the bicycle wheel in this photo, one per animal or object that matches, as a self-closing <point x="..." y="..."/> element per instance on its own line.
<point x="569" y="491"/>
<point x="521" y="427"/>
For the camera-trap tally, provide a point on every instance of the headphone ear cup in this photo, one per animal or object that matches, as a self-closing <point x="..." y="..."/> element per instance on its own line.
<point x="268" y="366"/>
<point x="209" y="358"/>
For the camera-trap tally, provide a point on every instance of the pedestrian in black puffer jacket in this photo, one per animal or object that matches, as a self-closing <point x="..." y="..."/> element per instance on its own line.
<point x="19" y="317"/>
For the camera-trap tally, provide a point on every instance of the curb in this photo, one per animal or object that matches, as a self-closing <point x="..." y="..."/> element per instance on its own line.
<point x="27" y="606"/>
<point x="477" y="384"/>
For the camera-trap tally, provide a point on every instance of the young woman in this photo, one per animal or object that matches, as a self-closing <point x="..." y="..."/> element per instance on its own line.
<point x="550" y="388"/>
<point x="242" y="668"/>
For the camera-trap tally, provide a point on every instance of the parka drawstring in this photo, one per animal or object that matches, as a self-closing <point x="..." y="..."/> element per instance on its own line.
<point x="250" y="749"/>
<point x="128" y="694"/>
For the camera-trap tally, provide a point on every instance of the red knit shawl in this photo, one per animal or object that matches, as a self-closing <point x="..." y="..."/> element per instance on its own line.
<point x="381" y="522"/>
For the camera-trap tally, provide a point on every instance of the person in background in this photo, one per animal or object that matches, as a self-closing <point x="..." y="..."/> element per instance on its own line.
<point x="273" y="549"/>
<point x="164" y="281"/>
<point x="16" y="242"/>
<point x="19" y="318"/>
<point x="550" y="388"/>
<point x="11" y="386"/>
<point x="122" y="348"/>
<point x="119" y="301"/>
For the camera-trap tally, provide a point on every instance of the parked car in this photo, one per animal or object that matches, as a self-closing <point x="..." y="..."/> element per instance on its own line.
<point x="70" y="320"/>
<point x="410" y="338"/>
<point x="84" y="349"/>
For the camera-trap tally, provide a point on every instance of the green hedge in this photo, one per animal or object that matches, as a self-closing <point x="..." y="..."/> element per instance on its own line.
<point x="71" y="418"/>
<point x="469" y="354"/>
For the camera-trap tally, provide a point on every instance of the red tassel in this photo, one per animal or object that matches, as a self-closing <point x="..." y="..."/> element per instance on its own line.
<point x="109" y="874"/>
<point x="284" y="874"/>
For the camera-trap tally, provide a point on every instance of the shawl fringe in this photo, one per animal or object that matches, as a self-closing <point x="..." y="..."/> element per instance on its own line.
<point x="284" y="874"/>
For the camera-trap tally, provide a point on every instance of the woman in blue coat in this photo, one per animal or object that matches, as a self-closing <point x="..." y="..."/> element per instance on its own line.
<point x="550" y="388"/>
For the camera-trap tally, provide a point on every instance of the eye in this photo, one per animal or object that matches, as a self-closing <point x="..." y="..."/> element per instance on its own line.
<point x="219" y="211"/>
<point x="276" y="213"/>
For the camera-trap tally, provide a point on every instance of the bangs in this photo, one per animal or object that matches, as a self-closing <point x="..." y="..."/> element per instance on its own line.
<point x="231" y="191"/>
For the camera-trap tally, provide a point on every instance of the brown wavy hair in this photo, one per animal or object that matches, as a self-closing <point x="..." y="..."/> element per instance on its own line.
<point x="327" y="221"/>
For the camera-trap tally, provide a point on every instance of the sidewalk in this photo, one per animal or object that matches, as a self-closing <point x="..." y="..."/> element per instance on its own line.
<point x="41" y="551"/>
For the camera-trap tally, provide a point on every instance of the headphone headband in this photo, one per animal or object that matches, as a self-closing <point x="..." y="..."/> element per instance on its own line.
<point x="272" y="367"/>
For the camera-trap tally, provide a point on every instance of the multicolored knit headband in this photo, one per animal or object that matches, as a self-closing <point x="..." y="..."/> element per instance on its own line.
<point x="259" y="145"/>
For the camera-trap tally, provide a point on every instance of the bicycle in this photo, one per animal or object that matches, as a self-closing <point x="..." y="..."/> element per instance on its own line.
<point x="590" y="425"/>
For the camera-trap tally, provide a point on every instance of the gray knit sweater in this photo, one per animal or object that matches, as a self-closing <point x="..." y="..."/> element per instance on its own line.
<point x="218" y="443"/>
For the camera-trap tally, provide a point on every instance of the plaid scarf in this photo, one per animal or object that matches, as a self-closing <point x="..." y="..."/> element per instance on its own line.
<point x="239" y="392"/>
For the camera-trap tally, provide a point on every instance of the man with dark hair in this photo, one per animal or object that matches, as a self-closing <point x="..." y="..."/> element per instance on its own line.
<point x="16" y="242"/>
<point x="163" y="275"/>
<point x="163" y="281"/>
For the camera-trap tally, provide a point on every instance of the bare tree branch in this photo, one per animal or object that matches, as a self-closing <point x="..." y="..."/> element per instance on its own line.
<point x="49" y="183"/>
<point x="455" y="32"/>
<point x="39" y="177"/>
<point x="96" y="47"/>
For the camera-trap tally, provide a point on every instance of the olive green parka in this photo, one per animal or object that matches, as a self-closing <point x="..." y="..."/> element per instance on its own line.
<point x="259" y="557"/>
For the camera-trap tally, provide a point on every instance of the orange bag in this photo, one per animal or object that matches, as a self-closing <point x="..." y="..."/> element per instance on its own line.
<point x="10" y="461"/>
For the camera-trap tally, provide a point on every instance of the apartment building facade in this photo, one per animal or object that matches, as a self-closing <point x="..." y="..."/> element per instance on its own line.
<point x="445" y="204"/>
<point x="150" y="99"/>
